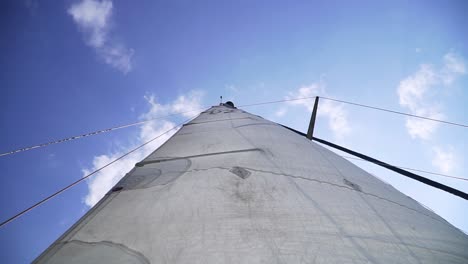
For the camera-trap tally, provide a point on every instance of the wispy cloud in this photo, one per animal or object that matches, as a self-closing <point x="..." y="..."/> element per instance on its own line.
<point x="418" y="91"/>
<point x="337" y="118"/>
<point x="454" y="66"/>
<point x="184" y="103"/>
<point x="334" y="112"/>
<point x="101" y="183"/>
<point x="412" y="93"/>
<point x="281" y="112"/>
<point x="94" y="19"/>
<point x="444" y="159"/>
<point x="231" y="88"/>
<point x="104" y="180"/>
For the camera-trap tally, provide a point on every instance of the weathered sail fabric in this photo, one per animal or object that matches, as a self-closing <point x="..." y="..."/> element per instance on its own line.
<point x="232" y="187"/>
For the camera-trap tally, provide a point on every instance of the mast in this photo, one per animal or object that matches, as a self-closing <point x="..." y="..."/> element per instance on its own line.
<point x="232" y="187"/>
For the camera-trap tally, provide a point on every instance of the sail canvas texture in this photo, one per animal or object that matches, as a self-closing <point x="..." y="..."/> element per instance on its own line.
<point x="232" y="187"/>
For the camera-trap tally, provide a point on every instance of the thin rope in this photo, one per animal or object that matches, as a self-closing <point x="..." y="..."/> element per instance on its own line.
<point x="246" y="105"/>
<point x="278" y="101"/>
<point x="395" y="112"/>
<point x="406" y="168"/>
<point x="403" y="172"/>
<point x="91" y="133"/>
<point x="86" y="177"/>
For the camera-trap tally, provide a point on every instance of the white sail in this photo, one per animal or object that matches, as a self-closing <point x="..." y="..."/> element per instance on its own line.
<point x="232" y="187"/>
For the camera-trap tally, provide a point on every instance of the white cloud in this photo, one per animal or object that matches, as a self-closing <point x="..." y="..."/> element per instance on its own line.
<point x="423" y="129"/>
<point x="454" y="63"/>
<point x="185" y="104"/>
<point x="94" y="19"/>
<point x="117" y="56"/>
<point x="232" y="88"/>
<point x="444" y="160"/>
<point x="453" y="67"/>
<point x="413" y="88"/>
<point x="416" y="93"/>
<point x="100" y="184"/>
<point x="333" y="111"/>
<point x="281" y="112"/>
<point x="191" y="102"/>
<point x="337" y="117"/>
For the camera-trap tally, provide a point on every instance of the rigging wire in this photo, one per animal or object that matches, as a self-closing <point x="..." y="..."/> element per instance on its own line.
<point x="246" y="105"/>
<point x="383" y="164"/>
<point x="403" y="172"/>
<point x="278" y="101"/>
<point x="145" y="121"/>
<point x="361" y="105"/>
<point x="87" y="176"/>
<point x="395" y="112"/>
<point x="91" y="133"/>
<point x="406" y="168"/>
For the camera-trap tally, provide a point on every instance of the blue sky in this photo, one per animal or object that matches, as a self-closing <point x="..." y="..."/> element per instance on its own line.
<point x="76" y="66"/>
